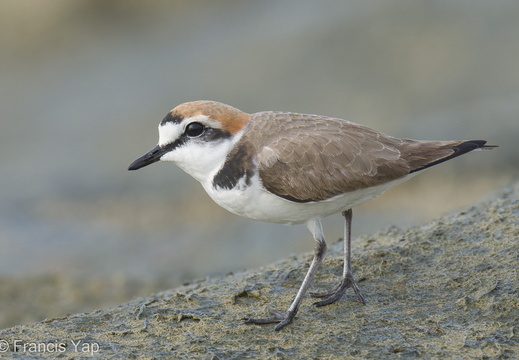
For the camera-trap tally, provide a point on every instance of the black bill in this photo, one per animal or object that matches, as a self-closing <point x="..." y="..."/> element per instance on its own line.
<point x="149" y="158"/>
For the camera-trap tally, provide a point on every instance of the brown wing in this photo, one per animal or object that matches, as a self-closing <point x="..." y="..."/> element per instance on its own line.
<point x="312" y="158"/>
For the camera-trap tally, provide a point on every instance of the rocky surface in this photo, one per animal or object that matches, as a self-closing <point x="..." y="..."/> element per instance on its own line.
<point x="448" y="289"/>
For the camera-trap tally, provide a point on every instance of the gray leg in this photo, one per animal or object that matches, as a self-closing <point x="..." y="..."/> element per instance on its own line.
<point x="285" y="318"/>
<point x="347" y="280"/>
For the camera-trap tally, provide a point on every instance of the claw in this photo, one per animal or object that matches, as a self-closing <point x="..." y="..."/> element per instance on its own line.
<point x="325" y="294"/>
<point x="283" y="318"/>
<point x="338" y="292"/>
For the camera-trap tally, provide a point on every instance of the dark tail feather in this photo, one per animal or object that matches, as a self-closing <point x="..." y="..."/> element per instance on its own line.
<point x="459" y="149"/>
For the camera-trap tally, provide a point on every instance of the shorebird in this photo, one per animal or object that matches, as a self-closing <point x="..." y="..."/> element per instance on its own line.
<point x="292" y="168"/>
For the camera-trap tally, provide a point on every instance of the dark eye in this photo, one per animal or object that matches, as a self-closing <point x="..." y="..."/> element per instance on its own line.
<point x="194" y="129"/>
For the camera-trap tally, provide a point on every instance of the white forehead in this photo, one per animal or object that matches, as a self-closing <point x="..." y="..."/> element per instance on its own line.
<point x="169" y="132"/>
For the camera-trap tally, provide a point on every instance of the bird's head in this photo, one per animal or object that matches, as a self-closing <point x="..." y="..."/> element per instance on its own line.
<point x="196" y="136"/>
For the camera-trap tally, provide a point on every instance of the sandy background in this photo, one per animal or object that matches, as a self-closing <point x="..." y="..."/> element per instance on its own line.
<point x="84" y="85"/>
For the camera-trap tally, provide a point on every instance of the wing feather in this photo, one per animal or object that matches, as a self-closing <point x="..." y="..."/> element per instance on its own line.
<point x="300" y="164"/>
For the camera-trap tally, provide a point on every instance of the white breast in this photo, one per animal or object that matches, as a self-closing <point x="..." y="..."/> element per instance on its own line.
<point x="256" y="203"/>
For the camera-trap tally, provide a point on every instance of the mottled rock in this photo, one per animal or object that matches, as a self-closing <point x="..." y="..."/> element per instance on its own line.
<point x="448" y="289"/>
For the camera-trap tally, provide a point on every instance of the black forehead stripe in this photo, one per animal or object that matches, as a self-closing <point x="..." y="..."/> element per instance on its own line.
<point x="174" y="118"/>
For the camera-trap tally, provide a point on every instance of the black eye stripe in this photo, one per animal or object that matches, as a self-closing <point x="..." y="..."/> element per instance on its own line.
<point x="204" y="132"/>
<point x="175" y="144"/>
<point x="209" y="135"/>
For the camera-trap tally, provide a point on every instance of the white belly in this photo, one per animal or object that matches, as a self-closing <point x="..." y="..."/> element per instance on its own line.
<point x="256" y="203"/>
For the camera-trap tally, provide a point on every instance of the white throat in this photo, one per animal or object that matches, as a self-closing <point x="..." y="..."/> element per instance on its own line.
<point x="198" y="158"/>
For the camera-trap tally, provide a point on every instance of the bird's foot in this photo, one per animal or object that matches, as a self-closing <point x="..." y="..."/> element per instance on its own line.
<point x="326" y="293"/>
<point x="337" y="292"/>
<point x="283" y="318"/>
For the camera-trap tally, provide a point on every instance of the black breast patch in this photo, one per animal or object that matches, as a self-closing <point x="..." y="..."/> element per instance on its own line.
<point x="237" y="165"/>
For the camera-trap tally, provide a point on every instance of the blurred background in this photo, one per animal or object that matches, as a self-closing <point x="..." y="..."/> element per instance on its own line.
<point x="84" y="85"/>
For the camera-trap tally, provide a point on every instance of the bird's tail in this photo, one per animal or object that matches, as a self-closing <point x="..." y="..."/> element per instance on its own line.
<point x="430" y="153"/>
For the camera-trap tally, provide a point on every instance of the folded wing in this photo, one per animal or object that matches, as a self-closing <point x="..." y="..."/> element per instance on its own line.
<point x="314" y="157"/>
